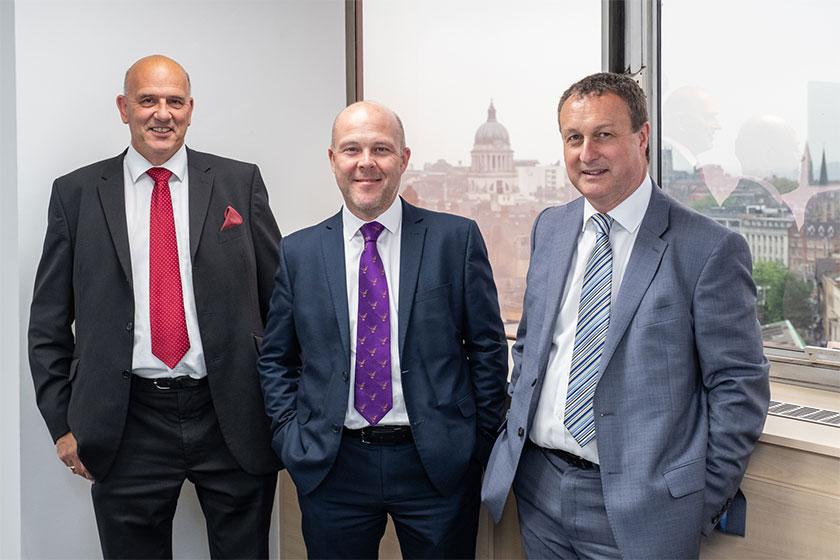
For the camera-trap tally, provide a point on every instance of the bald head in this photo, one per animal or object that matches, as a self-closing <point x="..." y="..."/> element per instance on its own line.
<point x="367" y="110"/>
<point x="156" y="63"/>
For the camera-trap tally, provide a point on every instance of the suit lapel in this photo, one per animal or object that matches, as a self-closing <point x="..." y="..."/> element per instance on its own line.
<point x="411" y="254"/>
<point x="201" y="187"/>
<point x="332" y="248"/>
<point x="112" y="197"/>
<point x="641" y="268"/>
<point x="563" y="238"/>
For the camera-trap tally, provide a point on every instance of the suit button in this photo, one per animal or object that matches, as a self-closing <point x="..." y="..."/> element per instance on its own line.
<point x="336" y="428"/>
<point x="520" y="432"/>
<point x="129" y="326"/>
<point x="126" y="374"/>
<point x="344" y="376"/>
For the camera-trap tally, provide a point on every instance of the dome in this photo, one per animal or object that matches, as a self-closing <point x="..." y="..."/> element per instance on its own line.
<point x="492" y="133"/>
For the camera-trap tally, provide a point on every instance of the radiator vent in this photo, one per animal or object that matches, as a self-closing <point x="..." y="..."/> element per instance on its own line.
<point x="805" y="413"/>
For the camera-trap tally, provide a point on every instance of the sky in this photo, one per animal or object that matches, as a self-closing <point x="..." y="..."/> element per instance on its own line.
<point x="439" y="63"/>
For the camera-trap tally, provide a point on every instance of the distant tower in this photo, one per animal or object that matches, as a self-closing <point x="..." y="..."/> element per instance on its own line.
<point x="823" y="170"/>
<point x="806" y="171"/>
<point x="492" y="173"/>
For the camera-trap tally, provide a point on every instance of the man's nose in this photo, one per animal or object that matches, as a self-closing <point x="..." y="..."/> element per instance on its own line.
<point x="162" y="112"/>
<point x="588" y="152"/>
<point x="366" y="160"/>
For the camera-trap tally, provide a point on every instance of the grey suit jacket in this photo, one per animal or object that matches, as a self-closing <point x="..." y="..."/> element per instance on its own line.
<point x="81" y="325"/>
<point x="683" y="389"/>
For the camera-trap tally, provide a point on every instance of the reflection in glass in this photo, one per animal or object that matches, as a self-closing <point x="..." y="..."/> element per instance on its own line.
<point x="754" y="142"/>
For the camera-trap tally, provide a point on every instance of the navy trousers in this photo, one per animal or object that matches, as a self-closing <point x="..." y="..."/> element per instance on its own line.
<point x="346" y="515"/>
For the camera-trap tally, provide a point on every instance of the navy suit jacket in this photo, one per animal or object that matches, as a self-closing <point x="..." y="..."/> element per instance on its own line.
<point x="453" y="351"/>
<point x="683" y="389"/>
<point x="81" y="326"/>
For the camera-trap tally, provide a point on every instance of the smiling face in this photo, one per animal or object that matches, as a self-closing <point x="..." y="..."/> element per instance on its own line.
<point x="605" y="157"/>
<point x="157" y="107"/>
<point x="368" y="158"/>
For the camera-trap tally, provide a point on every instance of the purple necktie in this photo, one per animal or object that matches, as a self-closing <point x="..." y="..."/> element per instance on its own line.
<point x="373" y="397"/>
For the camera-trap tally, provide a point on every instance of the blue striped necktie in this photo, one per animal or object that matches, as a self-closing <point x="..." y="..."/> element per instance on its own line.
<point x="591" y="332"/>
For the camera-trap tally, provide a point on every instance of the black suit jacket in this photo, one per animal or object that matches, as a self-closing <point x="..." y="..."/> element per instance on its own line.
<point x="452" y="347"/>
<point x="81" y="320"/>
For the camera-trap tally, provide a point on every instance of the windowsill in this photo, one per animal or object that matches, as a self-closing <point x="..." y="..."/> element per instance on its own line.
<point x="797" y="434"/>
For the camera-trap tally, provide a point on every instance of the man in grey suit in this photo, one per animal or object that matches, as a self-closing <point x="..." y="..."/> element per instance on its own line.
<point x="639" y="385"/>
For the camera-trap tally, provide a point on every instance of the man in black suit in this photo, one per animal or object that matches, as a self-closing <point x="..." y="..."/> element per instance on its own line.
<point x="149" y="299"/>
<point x="384" y="359"/>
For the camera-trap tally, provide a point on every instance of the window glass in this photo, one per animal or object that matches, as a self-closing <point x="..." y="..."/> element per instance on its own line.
<point x="476" y="84"/>
<point x="751" y="137"/>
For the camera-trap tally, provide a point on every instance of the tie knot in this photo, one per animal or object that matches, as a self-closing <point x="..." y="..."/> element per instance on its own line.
<point x="603" y="222"/>
<point x="160" y="175"/>
<point x="371" y="231"/>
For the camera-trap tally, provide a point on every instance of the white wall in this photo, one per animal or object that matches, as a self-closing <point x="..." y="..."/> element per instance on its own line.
<point x="9" y="294"/>
<point x="267" y="77"/>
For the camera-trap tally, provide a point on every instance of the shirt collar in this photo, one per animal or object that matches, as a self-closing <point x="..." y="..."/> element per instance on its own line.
<point x="138" y="165"/>
<point x="390" y="218"/>
<point x="630" y="212"/>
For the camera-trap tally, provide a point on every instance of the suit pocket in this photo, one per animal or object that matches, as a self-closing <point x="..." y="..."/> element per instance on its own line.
<point x="433" y="293"/>
<point x="650" y="317"/>
<point x="230" y="234"/>
<point x="467" y="406"/>
<point x="687" y="478"/>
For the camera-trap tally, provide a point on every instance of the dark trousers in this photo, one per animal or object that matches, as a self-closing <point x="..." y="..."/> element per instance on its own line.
<point x="172" y="435"/>
<point x="345" y="516"/>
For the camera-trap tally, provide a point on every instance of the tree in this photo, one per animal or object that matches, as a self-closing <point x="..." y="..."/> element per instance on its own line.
<point x="782" y="295"/>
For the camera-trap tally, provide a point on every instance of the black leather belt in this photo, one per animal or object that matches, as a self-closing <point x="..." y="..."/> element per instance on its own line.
<point x="168" y="383"/>
<point x="572" y="459"/>
<point x="381" y="434"/>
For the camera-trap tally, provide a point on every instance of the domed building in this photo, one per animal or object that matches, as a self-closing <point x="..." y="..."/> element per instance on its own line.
<point x="492" y="173"/>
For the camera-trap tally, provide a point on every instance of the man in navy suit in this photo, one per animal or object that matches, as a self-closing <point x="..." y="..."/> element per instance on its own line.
<point x="639" y="385"/>
<point x="384" y="359"/>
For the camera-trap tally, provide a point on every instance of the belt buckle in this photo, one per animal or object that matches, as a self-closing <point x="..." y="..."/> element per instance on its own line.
<point x="159" y="383"/>
<point x="364" y="433"/>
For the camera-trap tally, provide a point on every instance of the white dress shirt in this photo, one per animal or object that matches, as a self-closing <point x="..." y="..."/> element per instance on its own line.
<point x="138" y="200"/>
<point x="388" y="246"/>
<point x="548" y="429"/>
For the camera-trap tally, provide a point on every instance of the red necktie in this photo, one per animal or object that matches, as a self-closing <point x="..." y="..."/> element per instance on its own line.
<point x="170" y="340"/>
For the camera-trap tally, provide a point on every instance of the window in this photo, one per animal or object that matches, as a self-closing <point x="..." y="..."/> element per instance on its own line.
<point x="476" y="84"/>
<point x="751" y="137"/>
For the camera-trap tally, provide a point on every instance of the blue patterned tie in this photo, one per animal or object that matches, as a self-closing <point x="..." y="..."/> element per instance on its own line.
<point x="593" y="321"/>
<point x="373" y="396"/>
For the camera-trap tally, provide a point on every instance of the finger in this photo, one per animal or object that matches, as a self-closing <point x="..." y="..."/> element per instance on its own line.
<point x="82" y="471"/>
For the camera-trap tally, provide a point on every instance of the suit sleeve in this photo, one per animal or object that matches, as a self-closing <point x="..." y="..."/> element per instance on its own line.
<point x="734" y="369"/>
<point x="266" y="238"/>
<point x="51" y="340"/>
<point x="484" y="342"/>
<point x="279" y="363"/>
<point x="519" y="346"/>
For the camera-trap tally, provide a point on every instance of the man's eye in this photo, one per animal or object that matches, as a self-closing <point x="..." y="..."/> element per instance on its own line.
<point x="350" y="150"/>
<point x="573" y="139"/>
<point x="604" y="134"/>
<point x="381" y="150"/>
<point x="147" y="101"/>
<point x="176" y="103"/>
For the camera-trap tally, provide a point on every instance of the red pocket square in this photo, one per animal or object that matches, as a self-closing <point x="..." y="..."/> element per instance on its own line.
<point x="232" y="218"/>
